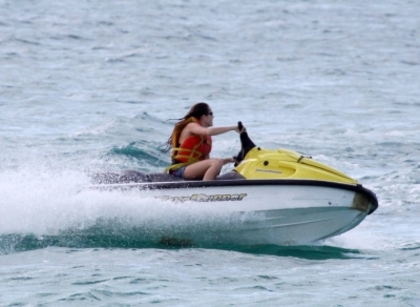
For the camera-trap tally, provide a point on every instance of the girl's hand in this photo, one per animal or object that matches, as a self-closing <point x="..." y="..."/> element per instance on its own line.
<point x="229" y="160"/>
<point x="240" y="131"/>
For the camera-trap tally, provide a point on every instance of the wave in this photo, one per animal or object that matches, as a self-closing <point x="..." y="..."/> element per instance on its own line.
<point x="150" y="157"/>
<point x="98" y="237"/>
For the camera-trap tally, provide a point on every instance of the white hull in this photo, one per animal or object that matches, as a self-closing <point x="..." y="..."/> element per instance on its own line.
<point x="263" y="213"/>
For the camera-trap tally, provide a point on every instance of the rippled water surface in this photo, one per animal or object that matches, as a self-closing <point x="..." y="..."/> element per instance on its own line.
<point x="89" y="86"/>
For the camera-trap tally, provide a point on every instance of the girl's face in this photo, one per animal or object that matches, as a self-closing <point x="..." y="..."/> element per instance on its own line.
<point x="207" y="120"/>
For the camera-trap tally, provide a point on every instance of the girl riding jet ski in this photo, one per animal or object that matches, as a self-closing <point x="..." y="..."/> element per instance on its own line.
<point x="191" y="144"/>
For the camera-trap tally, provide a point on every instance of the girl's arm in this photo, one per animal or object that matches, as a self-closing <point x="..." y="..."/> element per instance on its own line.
<point x="195" y="128"/>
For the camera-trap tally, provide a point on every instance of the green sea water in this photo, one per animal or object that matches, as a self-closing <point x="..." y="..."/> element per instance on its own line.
<point x="91" y="86"/>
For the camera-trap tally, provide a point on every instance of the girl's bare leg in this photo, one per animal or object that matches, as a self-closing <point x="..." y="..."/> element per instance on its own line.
<point x="206" y="170"/>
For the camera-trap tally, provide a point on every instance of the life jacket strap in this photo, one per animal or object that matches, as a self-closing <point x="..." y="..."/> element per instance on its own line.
<point x="190" y="157"/>
<point x="193" y="152"/>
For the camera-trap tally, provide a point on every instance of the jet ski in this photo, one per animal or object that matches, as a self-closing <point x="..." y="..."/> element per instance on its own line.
<point x="292" y="198"/>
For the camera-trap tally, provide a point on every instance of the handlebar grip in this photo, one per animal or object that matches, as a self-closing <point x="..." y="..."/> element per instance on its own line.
<point x="240" y="126"/>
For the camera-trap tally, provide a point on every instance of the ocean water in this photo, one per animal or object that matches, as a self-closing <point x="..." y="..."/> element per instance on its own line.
<point x="90" y="86"/>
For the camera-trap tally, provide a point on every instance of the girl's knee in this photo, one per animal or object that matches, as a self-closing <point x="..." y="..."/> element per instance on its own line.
<point x="217" y="163"/>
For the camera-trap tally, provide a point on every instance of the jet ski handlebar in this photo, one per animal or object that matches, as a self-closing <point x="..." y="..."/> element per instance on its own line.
<point x="246" y="144"/>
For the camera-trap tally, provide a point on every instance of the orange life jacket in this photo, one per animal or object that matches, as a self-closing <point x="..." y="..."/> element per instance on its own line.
<point x="193" y="149"/>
